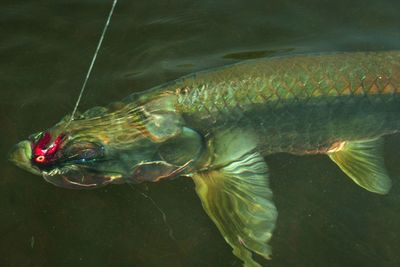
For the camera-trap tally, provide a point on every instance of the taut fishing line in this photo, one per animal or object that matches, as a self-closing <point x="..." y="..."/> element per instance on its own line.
<point x="92" y="63"/>
<point x="164" y="216"/>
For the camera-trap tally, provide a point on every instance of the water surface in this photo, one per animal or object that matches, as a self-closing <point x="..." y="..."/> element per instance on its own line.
<point x="45" y="49"/>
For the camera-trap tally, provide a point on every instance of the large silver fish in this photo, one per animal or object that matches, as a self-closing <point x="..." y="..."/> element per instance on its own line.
<point x="216" y="127"/>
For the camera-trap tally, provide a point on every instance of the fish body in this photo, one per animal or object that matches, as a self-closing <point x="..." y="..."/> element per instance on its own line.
<point x="300" y="104"/>
<point x="216" y="127"/>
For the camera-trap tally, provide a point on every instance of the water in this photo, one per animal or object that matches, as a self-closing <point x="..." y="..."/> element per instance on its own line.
<point x="46" y="46"/>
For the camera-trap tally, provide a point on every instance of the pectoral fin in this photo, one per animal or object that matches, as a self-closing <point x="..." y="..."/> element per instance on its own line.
<point x="363" y="162"/>
<point x="237" y="198"/>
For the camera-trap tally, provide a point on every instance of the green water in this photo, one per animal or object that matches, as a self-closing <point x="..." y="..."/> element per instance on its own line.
<point x="45" y="49"/>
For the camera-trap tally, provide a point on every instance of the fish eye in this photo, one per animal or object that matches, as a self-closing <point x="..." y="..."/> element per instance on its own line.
<point x="40" y="159"/>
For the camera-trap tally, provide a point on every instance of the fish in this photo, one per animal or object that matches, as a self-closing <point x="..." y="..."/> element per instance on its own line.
<point x="217" y="126"/>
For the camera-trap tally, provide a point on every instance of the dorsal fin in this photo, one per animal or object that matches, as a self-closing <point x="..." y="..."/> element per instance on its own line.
<point x="363" y="162"/>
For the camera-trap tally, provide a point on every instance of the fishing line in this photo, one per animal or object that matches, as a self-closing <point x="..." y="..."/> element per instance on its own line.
<point x="164" y="216"/>
<point x="92" y="63"/>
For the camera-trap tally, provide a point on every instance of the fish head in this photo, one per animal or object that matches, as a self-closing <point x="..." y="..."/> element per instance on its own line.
<point x="84" y="162"/>
<point x="90" y="153"/>
<point x="67" y="160"/>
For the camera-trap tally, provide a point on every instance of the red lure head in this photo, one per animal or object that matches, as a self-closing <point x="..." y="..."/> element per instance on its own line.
<point x="43" y="152"/>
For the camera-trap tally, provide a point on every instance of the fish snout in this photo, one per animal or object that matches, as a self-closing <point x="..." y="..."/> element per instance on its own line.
<point x="21" y="155"/>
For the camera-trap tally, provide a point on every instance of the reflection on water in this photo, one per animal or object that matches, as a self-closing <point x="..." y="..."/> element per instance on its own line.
<point x="324" y="219"/>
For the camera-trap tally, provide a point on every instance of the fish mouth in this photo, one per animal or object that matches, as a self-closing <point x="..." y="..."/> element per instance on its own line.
<point x="69" y="176"/>
<point x="21" y="155"/>
<point x="76" y="177"/>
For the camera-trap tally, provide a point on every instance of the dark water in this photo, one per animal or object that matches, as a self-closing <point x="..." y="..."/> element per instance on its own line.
<point x="45" y="49"/>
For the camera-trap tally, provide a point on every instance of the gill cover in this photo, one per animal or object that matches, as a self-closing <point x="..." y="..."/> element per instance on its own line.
<point x="178" y="147"/>
<point x="177" y="156"/>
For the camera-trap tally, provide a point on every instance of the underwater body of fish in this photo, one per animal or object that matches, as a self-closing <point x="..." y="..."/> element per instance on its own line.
<point x="216" y="127"/>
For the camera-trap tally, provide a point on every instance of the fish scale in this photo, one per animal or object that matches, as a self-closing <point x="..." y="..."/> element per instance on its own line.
<point x="288" y="101"/>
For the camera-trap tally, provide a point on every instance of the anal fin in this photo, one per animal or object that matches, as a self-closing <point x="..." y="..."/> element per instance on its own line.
<point x="363" y="162"/>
